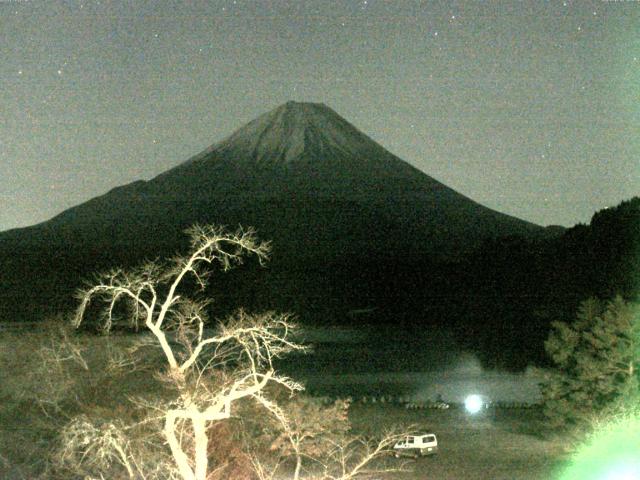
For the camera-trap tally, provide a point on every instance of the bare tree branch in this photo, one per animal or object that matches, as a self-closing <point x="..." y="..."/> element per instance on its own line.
<point x="249" y="342"/>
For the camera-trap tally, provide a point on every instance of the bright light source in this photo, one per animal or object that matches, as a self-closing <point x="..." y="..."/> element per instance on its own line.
<point x="626" y="471"/>
<point x="473" y="403"/>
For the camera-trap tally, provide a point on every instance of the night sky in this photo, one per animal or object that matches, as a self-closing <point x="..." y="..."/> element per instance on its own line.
<point x="531" y="108"/>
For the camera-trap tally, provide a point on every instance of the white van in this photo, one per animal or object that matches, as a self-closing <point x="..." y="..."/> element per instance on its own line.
<point x="416" y="446"/>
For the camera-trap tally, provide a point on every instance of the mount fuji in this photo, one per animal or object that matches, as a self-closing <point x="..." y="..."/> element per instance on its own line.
<point x="321" y="190"/>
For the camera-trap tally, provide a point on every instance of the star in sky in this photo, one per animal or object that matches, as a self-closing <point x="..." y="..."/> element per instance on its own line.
<point x="478" y="95"/>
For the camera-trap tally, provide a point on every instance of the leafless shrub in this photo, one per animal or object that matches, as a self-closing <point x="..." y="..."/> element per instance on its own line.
<point x="95" y="447"/>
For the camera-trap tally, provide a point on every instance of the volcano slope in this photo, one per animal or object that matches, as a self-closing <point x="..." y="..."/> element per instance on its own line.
<point x="347" y="218"/>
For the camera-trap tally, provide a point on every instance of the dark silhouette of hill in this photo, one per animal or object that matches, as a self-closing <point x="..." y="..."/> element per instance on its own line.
<point x="358" y="235"/>
<point x="513" y="288"/>
<point x="333" y="201"/>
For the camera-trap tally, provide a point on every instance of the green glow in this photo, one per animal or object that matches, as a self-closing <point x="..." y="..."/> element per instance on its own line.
<point x="612" y="453"/>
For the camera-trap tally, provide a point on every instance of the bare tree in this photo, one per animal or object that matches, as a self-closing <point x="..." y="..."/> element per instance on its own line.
<point x="210" y="370"/>
<point x="351" y="457"/>
<point x="356" y="458"/>
<point x="318" y="437"/>
<point x="310" y="430"/>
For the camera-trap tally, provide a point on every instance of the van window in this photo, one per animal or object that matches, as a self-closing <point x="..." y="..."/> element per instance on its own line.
<point x="430" y="438"/>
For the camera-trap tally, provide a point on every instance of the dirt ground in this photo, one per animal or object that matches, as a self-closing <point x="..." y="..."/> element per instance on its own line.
<point x="496" y="445"/>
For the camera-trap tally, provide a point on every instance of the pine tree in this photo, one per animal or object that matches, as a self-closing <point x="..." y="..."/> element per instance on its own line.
<point x="596" y="362"/>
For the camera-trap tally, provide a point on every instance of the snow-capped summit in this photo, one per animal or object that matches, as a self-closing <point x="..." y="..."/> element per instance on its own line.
<point x="291" y="132"/>
<point x="302" y="147"/>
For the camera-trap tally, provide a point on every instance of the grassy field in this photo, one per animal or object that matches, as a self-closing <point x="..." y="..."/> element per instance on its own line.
<point x="505" y="444"/>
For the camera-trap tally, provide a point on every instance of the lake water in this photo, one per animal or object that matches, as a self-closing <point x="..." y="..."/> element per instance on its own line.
<point x="371" y="361"/>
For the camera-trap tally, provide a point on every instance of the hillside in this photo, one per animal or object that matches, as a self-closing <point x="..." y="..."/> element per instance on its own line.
<point x="321" y="190"/>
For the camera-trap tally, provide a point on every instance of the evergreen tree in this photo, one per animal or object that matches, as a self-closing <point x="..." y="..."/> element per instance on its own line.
<point x="596" y="358"/>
